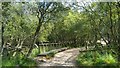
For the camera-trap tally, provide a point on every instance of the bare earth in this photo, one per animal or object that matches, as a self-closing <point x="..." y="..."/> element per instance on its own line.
<point x="65" y="58"/>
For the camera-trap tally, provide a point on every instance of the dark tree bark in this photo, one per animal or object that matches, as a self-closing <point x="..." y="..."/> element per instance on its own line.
<point x="4" y="14"/>
<point x="41" y="14"/>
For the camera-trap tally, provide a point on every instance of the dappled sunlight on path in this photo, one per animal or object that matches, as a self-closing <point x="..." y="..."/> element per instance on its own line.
<point x="65" y="58"/>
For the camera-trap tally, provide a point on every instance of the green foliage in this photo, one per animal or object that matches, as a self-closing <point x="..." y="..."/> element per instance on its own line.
<point x="95" y="21"/>
<point x="96" y="59"/>
<point x="18" y="60"/>
<point x="34" y="52"/>
<point x="82" y="59"/>
<point x="107" y="59"/>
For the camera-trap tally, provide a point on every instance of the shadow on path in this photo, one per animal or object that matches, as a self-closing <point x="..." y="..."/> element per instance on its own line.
<point x="65" y="58"/>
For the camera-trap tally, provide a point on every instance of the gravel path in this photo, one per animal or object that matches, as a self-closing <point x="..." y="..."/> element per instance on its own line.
<point x="65" y="58"/>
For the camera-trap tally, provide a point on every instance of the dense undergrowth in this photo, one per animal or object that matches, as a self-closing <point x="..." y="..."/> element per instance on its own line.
<point x="18" y="60"/>
<point x="97" y="59"/>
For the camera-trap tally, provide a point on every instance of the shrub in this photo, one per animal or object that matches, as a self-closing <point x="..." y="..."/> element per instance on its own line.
<point x="18" y="60"/>
<point x="96" y="59"/>
<point x="106" y="59"/>
<point x="34" y="52"/>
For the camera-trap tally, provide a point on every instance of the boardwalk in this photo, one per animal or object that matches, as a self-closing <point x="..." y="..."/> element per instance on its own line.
<point x="65" y="58"/>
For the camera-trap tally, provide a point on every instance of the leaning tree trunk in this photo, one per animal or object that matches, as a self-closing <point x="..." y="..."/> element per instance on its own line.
<point x="35" y="37"/>
<point x="41" y="14"/>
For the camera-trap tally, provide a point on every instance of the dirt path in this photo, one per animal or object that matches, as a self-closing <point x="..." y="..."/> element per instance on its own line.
<point x="65" y="58"/>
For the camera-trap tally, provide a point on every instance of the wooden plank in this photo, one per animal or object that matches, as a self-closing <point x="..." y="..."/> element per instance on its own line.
<point x="55" y="50"/>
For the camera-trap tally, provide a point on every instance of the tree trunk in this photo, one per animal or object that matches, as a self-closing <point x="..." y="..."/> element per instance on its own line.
<point x="4" y="14"/>
<point x="34" y="38"/>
